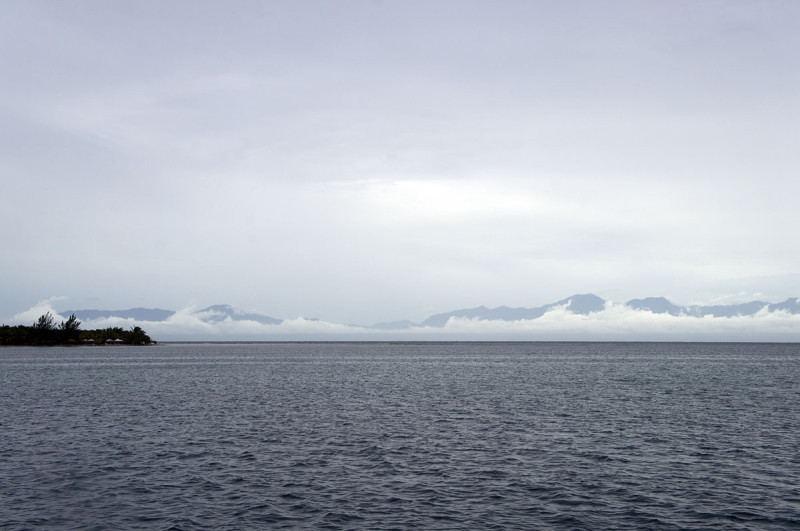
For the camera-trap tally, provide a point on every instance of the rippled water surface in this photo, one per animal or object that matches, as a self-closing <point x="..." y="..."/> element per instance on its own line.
<point x="395" y="436"/>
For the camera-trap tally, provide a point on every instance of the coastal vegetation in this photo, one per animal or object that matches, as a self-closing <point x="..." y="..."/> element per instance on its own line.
<point x="44" y="332"/>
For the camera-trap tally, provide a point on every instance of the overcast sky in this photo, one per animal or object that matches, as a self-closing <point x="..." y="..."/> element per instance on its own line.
<point x="364" y="161"/>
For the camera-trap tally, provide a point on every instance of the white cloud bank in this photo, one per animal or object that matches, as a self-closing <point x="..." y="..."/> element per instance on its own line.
<point x="616" y="322"/>
<point x="374" y="161"/>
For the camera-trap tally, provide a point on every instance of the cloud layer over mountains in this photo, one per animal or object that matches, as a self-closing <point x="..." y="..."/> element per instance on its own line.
<point x="580" y="317"/>
<point x="369" y="161"/>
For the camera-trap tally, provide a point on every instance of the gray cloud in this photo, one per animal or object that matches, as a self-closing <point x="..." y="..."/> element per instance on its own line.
<point x="616" y="322"/>
<point x="377" y="161"/>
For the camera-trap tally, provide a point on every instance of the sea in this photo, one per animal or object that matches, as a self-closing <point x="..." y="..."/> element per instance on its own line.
<point x="401" y="436"/>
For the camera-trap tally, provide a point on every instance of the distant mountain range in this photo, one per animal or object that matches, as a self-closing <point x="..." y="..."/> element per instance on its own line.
<point x="220" y="312"/>
<point x="137" y="314"/>
<point x="587" y="303"/>
<point x="212" y="314"/>
<point x="582" y="304"/>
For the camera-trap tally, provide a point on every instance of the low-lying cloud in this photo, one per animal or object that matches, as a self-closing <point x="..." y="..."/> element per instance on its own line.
<point x="616" y="322"/>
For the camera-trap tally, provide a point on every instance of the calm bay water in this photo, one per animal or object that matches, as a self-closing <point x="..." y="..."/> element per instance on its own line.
<point x="395" y="436"/>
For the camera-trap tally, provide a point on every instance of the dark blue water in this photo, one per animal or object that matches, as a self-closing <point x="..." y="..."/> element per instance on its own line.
<point x="396" y="436"/>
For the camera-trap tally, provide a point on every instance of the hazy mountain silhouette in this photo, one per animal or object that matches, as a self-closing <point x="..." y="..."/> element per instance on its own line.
<point x="662" y="305"/>
<point x="582" y="304"/>
<point x="791" y="305"/>
<point x="137" y="314"/>
<point x="212" y="314"/>
<point x="727" y="310"/>
<point x="655" y="305"/>
<point x="587" y="303"/>
<point x="220" y="312"/>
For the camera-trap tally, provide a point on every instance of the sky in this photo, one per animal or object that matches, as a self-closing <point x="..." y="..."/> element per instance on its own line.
<point x="365" y="161"/>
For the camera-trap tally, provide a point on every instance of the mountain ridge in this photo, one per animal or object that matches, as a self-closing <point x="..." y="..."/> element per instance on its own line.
<point x="212" y="314"/>
<point x="581" y="304"/>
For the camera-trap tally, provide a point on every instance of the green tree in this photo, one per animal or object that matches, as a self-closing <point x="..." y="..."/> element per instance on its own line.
<point x="137" y="336"/>
<point x="45" y="323"/>
<point x="70" y="330"/>
<point x="71" y="324"/>
<point x="43" y="330"/>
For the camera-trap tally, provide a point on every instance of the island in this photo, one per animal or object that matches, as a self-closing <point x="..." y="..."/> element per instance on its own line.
<point x="44" y="332"/>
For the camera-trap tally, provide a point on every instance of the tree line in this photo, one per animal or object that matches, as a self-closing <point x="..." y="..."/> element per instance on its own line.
<point x="45" y="332"/>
